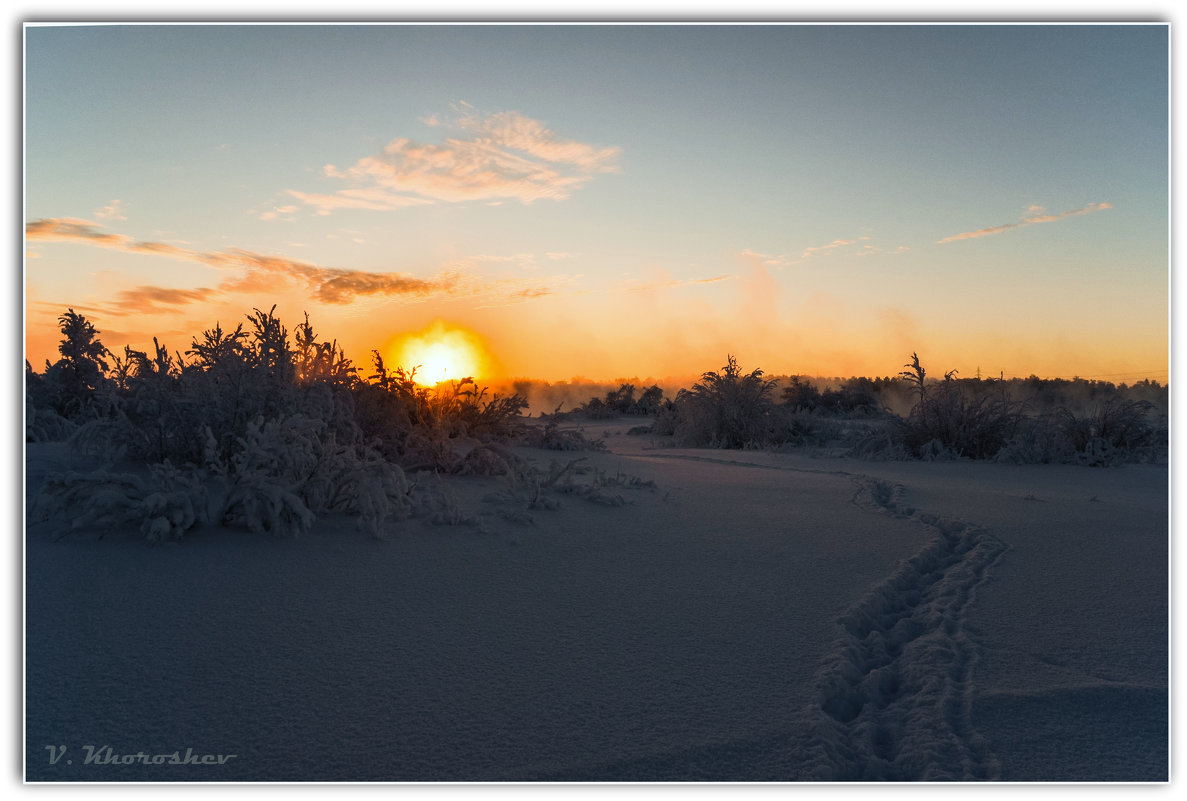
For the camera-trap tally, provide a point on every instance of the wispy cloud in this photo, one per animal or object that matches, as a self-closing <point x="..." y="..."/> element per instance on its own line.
<point x="1045" y="218"/>
<point x="980" y="232"/>
<point x="836" y="243"/>
<point x="279" y="213"/>
<point x="769" y="259"/>
<point x="149" y="299"/>
<point x="491" y="158"/>
<point x="259" y="272"/>
<point x="677" y="282"/>
<point x="1034" y="216"/>
<point x="788" y="260"/>
<point x="112" y="211"/>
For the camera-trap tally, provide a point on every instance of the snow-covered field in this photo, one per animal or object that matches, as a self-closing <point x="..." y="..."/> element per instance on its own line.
<point x="752" y="616"/>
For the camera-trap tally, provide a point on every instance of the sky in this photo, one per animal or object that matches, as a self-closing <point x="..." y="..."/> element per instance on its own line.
<point x="605" y="201"/>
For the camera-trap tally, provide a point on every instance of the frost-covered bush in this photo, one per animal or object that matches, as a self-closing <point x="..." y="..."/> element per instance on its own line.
<point x="952" y="420"/>
<point x="422" y="428"/>
<point x="1038" y="440"/>
<point x="287" y="469"/>
<point x="280" y="475"/>
<point x="43" y="424"/>
<point x="880" y="446"/>
<point x="162" y="505"/>
<point x="1115" y="431"/>
<point x="725" y="409"/>
<point x="550" y="436"/>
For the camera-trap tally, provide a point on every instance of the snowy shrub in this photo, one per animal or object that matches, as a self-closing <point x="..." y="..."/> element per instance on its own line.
<point x="106" y="439"/>
<point x="171" y="506"/>
<point x="1116" y="430"/>
<point x="486" y="460"/>
<point x="600" y="488"/>
<point x="1039" y="440"/>
<point x="162" y="506"/>
<point x="950" y="419"/>
<point x="43" y="424"/>
<point x="726" y="409"/>
<point x="289" y="468"/>
<point x="879" y="446"/>
<point x="552" y="437"/>
<point x="787" y="427"/>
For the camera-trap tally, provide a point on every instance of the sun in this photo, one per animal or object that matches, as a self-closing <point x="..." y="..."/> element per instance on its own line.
<point x="442" y="352"/>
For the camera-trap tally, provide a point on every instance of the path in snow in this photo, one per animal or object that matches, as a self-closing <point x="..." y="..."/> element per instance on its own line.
<point x="895" y="690"/>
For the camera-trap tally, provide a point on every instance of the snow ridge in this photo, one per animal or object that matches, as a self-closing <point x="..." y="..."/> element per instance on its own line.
<point x="895" y="690"/>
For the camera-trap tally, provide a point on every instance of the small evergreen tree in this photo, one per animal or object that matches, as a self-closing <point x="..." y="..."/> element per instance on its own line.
<point x="78" y="375"/>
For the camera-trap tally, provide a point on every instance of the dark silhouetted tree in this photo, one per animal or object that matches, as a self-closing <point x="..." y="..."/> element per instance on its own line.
<point x="78" y="375"/>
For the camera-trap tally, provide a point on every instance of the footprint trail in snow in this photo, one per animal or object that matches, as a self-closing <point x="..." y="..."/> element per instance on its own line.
<point x="895" y="691"/>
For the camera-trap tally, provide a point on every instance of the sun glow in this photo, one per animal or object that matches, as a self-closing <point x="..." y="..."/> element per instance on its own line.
<point x="441" y="352"/>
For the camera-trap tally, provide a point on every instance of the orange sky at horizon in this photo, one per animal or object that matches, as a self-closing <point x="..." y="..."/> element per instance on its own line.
<point x="647" y="338"/>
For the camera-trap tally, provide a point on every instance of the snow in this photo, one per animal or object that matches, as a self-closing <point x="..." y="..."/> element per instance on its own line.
<point x="753" y="616"/>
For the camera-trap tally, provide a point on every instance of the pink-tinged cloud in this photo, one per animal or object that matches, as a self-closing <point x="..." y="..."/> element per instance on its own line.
<point x="1034" y="219"/>
<point x="67" y="229"/>
<point x="677" y="282"/>
<point x="506" y="157"/>
<point x="836" y="243"/>
<point x="768" y="259"/>
<point x="782" y="260"/>
<point x="1045" y="218"/>
<point x="371" y="199"/>
<point x="258" y="272"/>
<point x="279" y="213"/>
<point x="113" y="211"/>
<point x="525" y="294"/>
<point x="997" y="229"/>
<point x="149" y="299"/>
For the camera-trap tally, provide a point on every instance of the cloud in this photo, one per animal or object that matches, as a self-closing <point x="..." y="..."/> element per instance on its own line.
<point x="279" y="213"/>
<point x="836" y="243"/>
<point x="503" y="156"/>
<point x="785" y="260"/>
<point x="525" y="294"/>
<point x="149" y="299"/>
<point x="113" y="211"/>
<point x="871" y="250"/>
<point x="372" y="199"/>
<point x="677" y="282"/>
<point x="1036" y="217"/>
<point x="997" y="229"/>
<point x="768" y="259"/>
<point x="69" y="228"/>
<point x="1046" y="218"/>
<point x="258" y="272"/>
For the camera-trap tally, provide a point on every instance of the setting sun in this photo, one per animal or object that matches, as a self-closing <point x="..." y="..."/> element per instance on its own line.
<point x="441" y="352"/>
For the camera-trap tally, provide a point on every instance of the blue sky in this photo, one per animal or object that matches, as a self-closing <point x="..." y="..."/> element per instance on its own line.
<point x="614" y="200"/>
